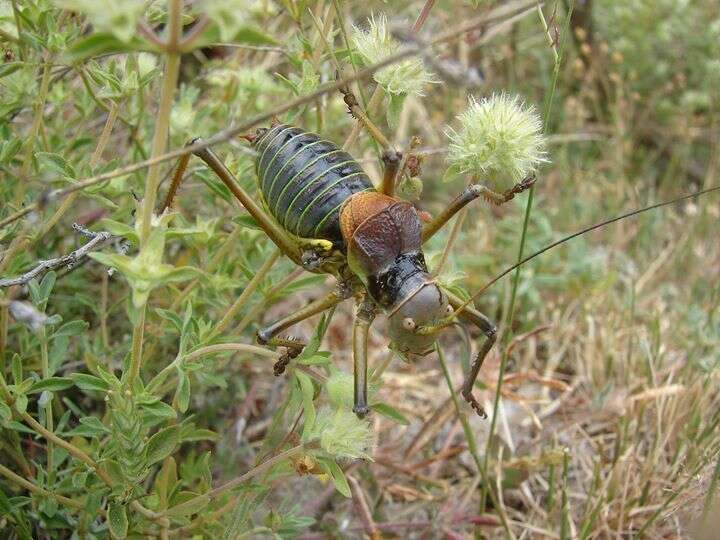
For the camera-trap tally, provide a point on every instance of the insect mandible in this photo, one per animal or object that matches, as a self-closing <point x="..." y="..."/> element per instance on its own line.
<point x="322" y="211"/>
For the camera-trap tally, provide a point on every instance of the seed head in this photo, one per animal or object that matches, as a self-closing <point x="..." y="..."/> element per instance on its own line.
<point x="408" y="76"/>
<point x="499" y="138"/>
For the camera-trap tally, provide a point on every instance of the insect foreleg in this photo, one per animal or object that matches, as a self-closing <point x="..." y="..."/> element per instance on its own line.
<point x="471" y="193"/>
<point x="268" y="334"/>
<point x="488" y="328"/>
<point x="277" y="234"/>
<point x="363" y="319"/>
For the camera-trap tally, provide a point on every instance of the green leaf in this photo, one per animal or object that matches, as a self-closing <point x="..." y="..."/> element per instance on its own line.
<point x="102" y="43"/>
<point x="214" y="33"/>
<point x="117" y="520"/>
<point x="337" y="475"/>
<point x="72" y="328"/>
<point x="187" y="503"/>
<point x="8" y="149"/>
<point x="165" y="481"/>
<point x="45" y="398"/>
<point x="119" y="229"/>
<point x="79" y="479"/>
<point x="5" y="412"/>
<point x="314" y="344"/>
<point x="85" y="381"/>
<point x="170" y="316"/>
<point x="160" y="409"/>
<point x="22" y="428"/>
<point x="182" y="394"/>
<point x="200" y="434"/>
<point x="90" y="426"/>
<point x="51" y="383"/>
<point x="10" y="67"/>
<point x="247" y="221"/>
<point x="17" y="370"/>
<point x="6" y="508"/>
<point x="46" y="286"/>
<point x="55" y="163"/>
<point x="114" y="471"/>
<point x="21" y="403"/>
<point x="162" y="444"/>
<point x="390" y="412"/>
<point x="182" y="273"/>
<point x="308" y="393"/>
<point x="254" y="36"/>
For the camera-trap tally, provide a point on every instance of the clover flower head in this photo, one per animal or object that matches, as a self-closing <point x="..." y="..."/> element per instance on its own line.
<point x="341" y="434"/>
<point x="340" y="389"/>
<point x="499" y="137"/>
<point x="374" y="44"/>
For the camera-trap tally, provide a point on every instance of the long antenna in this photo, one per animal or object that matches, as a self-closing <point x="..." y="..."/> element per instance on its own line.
<point x="580" y="233"/>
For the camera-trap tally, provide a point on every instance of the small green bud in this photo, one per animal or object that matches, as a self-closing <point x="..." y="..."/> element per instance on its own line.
<point x="500" y="140"/>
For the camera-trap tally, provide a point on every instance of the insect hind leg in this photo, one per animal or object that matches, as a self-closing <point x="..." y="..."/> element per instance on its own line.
<point x="287" y="244"/>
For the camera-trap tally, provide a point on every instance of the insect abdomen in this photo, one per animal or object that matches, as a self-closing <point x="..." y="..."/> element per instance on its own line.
<point x="305" y="181"/>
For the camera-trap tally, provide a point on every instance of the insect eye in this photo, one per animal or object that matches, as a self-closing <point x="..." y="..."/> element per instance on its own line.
<point x="449" y="309"/>
<point x="408" y="323"/>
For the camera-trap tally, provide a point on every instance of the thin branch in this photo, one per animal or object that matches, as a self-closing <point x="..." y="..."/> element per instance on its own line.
<point x="70" y="260"/>
<point x="32" y="488"/>
<point x="363" y="510"/>
<point x="214" y="493"/>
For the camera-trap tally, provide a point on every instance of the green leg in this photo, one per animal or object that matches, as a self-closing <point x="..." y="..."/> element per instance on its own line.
<point x="268" y="335"/>
<point x="287" y="243"/>
<point x="470" y="194"/>
<point x="488" y="328"/>
<point x="363" y="319"/>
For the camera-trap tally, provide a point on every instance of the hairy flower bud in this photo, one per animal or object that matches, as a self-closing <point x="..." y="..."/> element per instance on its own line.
<point x="408" y="76"/>
<point x="500" y="139"/>
<point x="341" y="434"/>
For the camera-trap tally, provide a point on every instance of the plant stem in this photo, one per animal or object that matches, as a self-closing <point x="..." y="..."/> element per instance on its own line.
<point x="48" y="407"/>
<point x="516" y="277"/>
<point x="32" y="488"/>
<point x="159" y="144"/>
<point x="472" y="444"/>
<point x="160" y="137"/>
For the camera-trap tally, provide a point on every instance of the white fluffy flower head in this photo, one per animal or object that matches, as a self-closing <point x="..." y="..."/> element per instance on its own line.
<point x="408" y="76"/>
<point x="500" y="138"/>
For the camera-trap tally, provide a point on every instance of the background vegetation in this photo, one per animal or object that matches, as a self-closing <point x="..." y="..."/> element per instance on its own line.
<point x="134" y="402"/>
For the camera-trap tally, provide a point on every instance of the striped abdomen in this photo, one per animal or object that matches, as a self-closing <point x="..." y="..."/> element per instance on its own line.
<point x="305" y="181"/>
